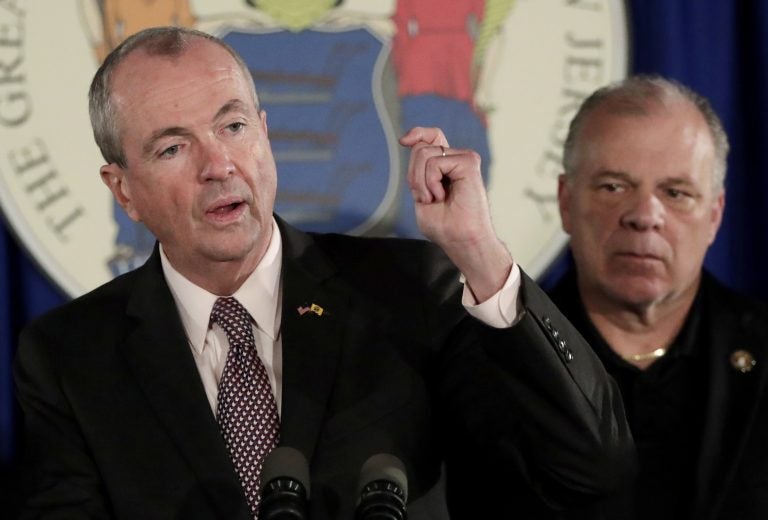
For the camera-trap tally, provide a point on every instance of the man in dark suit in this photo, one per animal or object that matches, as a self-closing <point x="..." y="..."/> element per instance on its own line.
<point x="363" y="345"/>
<point x="642" y="197"/>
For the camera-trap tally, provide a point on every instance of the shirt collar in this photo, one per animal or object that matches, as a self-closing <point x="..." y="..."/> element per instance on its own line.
<point x="259" y="294"/>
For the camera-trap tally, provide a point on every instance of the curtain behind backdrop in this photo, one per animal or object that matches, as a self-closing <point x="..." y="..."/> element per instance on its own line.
<point x="717" y="47"/>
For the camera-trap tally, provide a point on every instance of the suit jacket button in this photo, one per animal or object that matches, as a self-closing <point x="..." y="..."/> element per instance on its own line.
<point x="561" y="345"/>
<point x="568" y="355"/>
<point x="743" y="361"/>
<point x="547" y="323"/>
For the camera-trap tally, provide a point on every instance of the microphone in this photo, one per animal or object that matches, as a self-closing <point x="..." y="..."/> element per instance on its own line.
<point x="284" y="485"/>
<point x="383" y="489"/>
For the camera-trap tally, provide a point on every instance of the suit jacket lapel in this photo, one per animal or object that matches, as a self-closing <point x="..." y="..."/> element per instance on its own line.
<point x="731" y="403"/>
<point x="311" y="338"/>
<point x="159" y="355"/>
<point x="158" y="352"/>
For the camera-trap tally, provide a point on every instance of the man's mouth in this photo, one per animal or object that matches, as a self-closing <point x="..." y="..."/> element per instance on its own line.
<point x="638" y="258"/>
<point x="226" y="208"/>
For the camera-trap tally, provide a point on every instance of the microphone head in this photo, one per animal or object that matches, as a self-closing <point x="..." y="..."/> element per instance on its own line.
<point x="384" y="466"/>
<point x="285" y="462"/>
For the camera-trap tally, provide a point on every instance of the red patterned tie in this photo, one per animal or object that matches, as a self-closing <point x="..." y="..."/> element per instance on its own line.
<point x="247" y="411"/>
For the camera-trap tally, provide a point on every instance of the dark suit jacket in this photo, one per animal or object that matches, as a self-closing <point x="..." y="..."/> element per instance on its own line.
<point x="731" y="475"/>
<point x="117" y="423"/>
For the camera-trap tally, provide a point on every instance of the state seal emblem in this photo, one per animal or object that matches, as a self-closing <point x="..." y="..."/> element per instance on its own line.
<point x="340" y="80"/>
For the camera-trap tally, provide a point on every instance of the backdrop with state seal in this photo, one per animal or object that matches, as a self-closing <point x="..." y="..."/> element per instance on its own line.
<point x="341" y="79"/>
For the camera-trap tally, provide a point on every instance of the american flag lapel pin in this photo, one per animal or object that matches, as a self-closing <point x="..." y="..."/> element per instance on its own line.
<point x="313" y="308"/>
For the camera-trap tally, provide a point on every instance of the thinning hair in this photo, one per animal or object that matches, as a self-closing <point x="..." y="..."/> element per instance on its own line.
<point x="170" y="42"/>
<point x="636" y="96"/>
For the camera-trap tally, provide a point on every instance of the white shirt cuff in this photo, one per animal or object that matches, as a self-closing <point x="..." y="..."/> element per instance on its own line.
<point x="502" y="310"/>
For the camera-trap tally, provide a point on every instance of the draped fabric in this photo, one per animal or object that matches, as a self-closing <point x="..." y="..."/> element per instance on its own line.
<point x="717" y="47"/>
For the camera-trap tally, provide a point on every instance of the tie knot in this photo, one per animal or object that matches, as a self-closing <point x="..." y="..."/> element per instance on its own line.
<point x="233" y="318"/>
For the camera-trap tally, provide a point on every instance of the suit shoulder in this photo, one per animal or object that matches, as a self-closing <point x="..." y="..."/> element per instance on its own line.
<point x="396" y="250"/>
<point x="83" y="313"/>
<point x="388" y="255"/>
<point x="393" y="269"/>
<point x="734" y="317"/>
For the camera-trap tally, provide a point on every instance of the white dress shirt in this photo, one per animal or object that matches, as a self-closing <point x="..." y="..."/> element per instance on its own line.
<point x="261" y="295"/>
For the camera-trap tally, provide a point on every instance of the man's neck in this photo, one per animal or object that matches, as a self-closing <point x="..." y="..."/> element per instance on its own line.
<point x="224" y="277"/>
<point x="640" y="334"/>
<point x="221" y="279"/>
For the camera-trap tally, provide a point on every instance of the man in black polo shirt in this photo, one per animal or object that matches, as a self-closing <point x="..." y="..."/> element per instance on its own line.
<point x="642" y="198"/>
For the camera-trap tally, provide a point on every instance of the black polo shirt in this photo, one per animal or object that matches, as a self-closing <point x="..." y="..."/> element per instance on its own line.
<point x="665" y="405"/>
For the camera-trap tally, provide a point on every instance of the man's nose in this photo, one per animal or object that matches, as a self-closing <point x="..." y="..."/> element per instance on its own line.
<point x="644" y="211"/>
<point x="216" y="162"/>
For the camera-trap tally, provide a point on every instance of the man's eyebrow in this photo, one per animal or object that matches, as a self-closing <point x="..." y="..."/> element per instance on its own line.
<point x="620" y="174"/>
<point x="230" y="106"/>
<point x="677" y="180"/>
<point x="670" y="180"/>
<point x="149" y="146"/>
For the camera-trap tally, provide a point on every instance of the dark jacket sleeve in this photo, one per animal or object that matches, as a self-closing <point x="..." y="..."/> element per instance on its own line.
<point x="530" y="409"/>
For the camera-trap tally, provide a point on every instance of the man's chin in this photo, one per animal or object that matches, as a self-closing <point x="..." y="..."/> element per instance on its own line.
<point x="233" y="244"/>
<point x="230" y="254"/>
<point x="643" y="267"/>
<point x="229" y="249"/>
<point x="641" y="293"/>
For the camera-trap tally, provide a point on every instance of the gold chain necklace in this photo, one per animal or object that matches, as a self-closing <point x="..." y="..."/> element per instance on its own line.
<point x="655" y="354"/>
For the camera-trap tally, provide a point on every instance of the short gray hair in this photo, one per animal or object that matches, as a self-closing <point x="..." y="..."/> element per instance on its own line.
<point x="632" y="96"/>
<point x="157" y="41"/>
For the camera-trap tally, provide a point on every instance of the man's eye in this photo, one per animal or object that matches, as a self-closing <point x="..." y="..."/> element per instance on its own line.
<point x="236" y="126"/>
<point x="170" y="151"/>
<point x="611" y="187"/>
<point x="676" y="194"/>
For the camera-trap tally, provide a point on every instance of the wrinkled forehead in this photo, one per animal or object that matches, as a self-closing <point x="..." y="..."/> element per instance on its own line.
<point x="147" y="78"/>
<point x="152" y="92"/>
<point x="144" y="68"/>
<point x="674" y="134"/>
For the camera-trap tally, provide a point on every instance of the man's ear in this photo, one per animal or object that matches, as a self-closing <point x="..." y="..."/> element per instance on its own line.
<point x="263" y="118"/>
<point x="718" y="206"/>
<point x="563" y="201"/>
<point x="117" y="181"/>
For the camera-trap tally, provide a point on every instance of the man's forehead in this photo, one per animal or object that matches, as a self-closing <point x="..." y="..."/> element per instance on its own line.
<point x="159" y="96"/>
<point x="674" y="129"/>
<point x="607" y="165"/>
<point x="143" y="76"/>
<point x="199" y="53"/>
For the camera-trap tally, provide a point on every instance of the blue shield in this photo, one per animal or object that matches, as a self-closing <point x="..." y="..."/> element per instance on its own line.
<point x="331" y="133"/>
